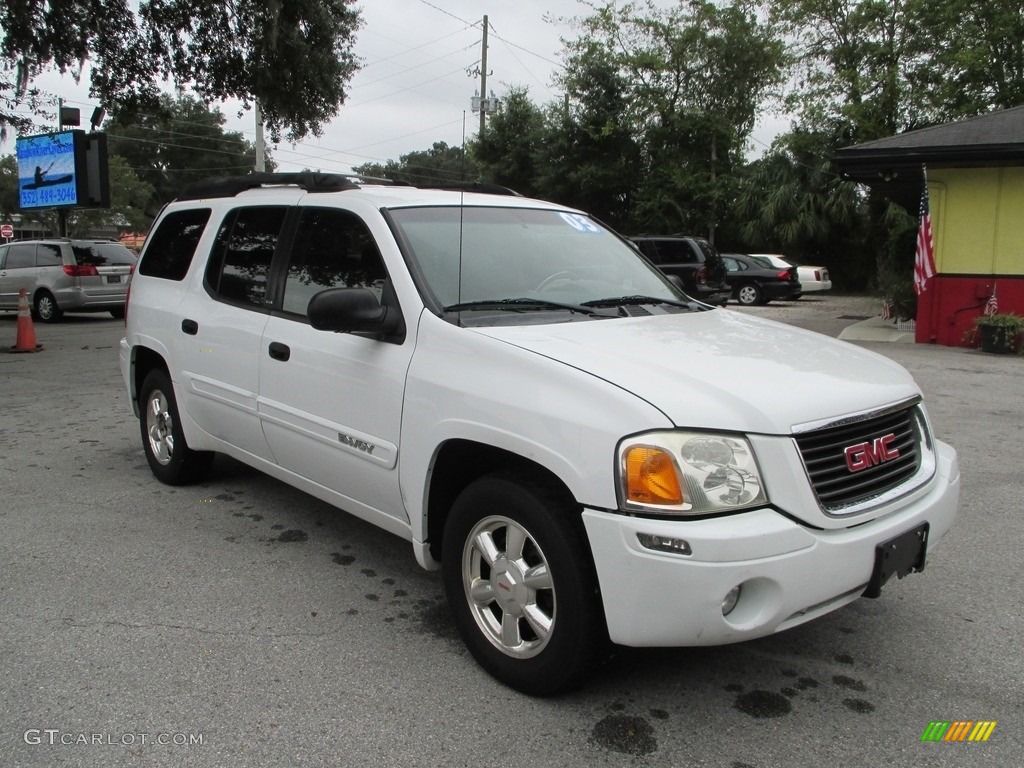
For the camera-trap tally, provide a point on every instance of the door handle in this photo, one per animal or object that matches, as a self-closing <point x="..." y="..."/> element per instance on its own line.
<point x="279" y="351"/>
<point x="191" y="327"/>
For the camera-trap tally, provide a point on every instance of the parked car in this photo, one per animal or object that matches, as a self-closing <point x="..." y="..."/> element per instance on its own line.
<point x="586" y="453"/>
<point x="62" y="275"/>
<point x="812" y="279"/>
<point x="753" y="283"/>
<point x="693" y="260"/>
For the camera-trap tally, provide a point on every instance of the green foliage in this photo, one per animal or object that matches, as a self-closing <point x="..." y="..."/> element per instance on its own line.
<point x="293" y="57"/>
<point x="793" y="201"/>
<point x="440" y="164"/>
<point x="853" y="64"/>
<point x="687" y="83"/>
<point x="129" y="199"/>
<point x="1001" y="332"/>
<point x="590" y="157"/>
<point x="1007" y="320"/>
<point x="508" y="152"/>
<point x="9" y="197"/>
<point x="970" y="55"/>
<point x="178" y="144"/>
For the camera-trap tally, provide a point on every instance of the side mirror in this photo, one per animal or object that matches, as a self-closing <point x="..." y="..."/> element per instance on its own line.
<point x="354" y="310"/>
<point x="677" y="281"/>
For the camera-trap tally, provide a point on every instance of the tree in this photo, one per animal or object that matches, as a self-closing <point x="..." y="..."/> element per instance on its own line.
<point x="970" y="55"/>
<point x="792" y="201"/>
<point x="180" y="143"/>
<point x="9" y="198"/>
<point x="590" y="158"/>
<point x="129" y="205"/>
<point x="440" y="164"/>
<point x="855" y="64"/>
<point x="508" y="152"/>
<point x="689" y="80"/>
<point x="294" y="58"/>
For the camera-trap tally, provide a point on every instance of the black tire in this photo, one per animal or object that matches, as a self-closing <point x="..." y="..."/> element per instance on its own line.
<point x="117" y="314"/>
<point x="541" y="638"/>
<point x="46" y="309"/>
<point x="163" y="440"/>
<point x="750" y="294"/>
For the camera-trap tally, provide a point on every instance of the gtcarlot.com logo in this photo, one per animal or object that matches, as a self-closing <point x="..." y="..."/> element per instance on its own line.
<point x="958" y="730"/>
<point x="55" y="736"/>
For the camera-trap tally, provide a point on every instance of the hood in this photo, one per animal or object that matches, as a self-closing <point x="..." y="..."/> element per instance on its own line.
<point x="721" y="369"/>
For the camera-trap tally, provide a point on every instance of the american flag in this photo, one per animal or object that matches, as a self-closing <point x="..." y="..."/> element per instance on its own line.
<point x="924" y="257"/>
<point x="992" y="306"/>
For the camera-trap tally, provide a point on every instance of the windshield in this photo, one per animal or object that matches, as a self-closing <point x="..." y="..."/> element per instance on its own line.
<point x="512" y="254"/>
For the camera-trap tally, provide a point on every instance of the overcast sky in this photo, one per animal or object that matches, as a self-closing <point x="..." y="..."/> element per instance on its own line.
<point x="415" y="84"/>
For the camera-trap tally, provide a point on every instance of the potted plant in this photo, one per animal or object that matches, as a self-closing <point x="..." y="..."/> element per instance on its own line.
<point x="1000" y="332"/>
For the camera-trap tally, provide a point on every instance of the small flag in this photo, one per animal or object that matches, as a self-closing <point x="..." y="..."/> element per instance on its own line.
<point x="887" y="310"/>
<point x="992" y="306"/>
<point x="924" y="256"/>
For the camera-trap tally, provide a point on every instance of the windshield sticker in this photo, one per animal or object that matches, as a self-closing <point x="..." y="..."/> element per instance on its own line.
<point x="581" y="223"/>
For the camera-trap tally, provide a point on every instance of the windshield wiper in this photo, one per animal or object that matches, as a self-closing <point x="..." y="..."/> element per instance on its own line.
<point x="519" y="304"/>
<point x="621" y="301"/>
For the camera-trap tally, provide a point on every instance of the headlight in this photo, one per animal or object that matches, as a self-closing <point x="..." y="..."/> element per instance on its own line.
<point x="688" y="473"/>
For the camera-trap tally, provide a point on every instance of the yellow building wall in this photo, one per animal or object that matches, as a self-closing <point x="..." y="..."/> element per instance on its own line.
<point x="978" y="220"/>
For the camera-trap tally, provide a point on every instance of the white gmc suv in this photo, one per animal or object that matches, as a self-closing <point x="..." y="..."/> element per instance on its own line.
<point x="586" y="453"/>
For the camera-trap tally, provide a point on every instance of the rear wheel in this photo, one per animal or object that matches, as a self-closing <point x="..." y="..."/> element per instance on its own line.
<point x="750" y="293"/>
<point x="46" y="308"/>
<point x="169" y="456"/>
<point x="521" y="585"/>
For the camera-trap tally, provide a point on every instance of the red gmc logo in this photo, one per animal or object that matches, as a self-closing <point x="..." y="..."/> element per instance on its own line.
<point x="864" y="455"/>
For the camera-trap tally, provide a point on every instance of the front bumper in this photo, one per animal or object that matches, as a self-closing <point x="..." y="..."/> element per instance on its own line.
<point x="789" y="573"/>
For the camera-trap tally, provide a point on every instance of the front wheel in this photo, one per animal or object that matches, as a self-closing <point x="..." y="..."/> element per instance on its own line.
<point x="521" y="585"/>
<point x="163" y="439"/>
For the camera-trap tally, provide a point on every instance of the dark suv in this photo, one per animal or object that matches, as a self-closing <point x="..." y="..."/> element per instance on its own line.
<point x="693" y="260"/>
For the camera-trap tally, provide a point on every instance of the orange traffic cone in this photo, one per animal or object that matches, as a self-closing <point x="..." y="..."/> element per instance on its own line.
<point x="26" y="341"/>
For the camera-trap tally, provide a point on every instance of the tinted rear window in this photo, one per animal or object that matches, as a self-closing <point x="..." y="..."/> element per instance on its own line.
<point x="675" y="252"/>
<point x="169" y="251"/>
<point x="239" y="267"/>
<point x="102" y="254"/>
<point x="48" y="255"/>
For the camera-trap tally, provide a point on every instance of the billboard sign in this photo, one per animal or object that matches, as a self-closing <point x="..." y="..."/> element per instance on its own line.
<point x="62" y="170"/>
<point x="47" y="175"/>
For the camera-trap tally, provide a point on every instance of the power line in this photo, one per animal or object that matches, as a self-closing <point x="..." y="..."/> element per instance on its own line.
<point x="446" y="13"/>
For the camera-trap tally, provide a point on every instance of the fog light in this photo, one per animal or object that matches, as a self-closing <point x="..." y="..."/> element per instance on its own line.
<point x="664" y="544"/>
<point x="730" y="600"/>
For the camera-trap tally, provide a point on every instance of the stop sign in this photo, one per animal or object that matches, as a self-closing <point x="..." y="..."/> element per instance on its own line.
<point x="6" y="230"/>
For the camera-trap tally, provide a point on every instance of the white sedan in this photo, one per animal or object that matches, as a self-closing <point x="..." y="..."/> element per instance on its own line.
<point x="811" y="278"/>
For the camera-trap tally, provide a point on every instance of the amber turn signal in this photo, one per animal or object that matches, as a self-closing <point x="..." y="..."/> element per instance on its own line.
<point x="651" y="477"/>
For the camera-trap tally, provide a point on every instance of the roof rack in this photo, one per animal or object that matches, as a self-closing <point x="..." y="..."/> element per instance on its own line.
<point x="230" y="186"/>
<point x="311" y="181"/>
<point x="483" y="187"/>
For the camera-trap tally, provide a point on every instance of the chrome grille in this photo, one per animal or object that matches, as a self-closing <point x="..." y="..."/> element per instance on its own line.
<point x="824" y="456"/>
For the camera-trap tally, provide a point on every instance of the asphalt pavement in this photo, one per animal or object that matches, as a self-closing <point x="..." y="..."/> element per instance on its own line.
<point x="243" y="623"/>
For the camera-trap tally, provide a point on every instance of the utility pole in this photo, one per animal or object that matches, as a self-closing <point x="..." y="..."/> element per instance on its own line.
<point x="62" y="214"/>
<point x="483" y="81"/>
<point x="261" y="149"/>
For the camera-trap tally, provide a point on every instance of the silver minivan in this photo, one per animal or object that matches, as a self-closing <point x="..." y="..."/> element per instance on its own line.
<point x="63" y="275"/>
